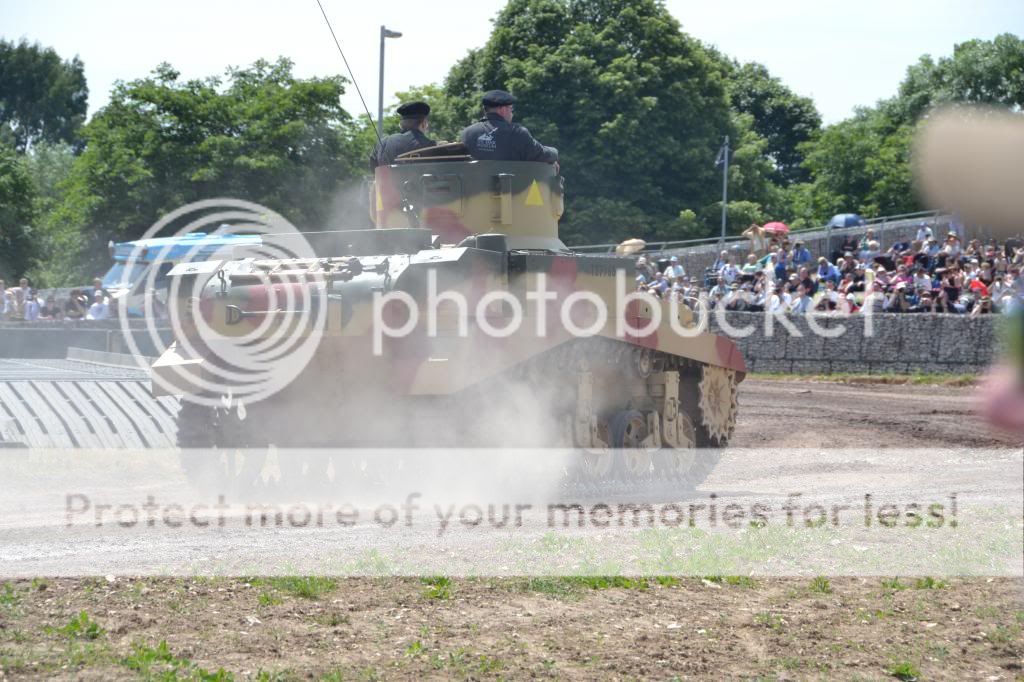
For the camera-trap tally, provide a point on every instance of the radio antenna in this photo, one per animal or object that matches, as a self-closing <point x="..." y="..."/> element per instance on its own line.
<point x="359" y="92"/>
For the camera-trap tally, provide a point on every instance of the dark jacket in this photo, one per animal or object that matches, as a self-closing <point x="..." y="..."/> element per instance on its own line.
<point x="495" y="139"/>
<point x="393" y="146"/>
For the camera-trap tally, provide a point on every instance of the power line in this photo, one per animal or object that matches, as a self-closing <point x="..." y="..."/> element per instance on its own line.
<point x="359" y="92"/>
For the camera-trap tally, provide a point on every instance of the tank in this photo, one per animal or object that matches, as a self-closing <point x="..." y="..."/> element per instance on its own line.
<point x="635" y="404"/>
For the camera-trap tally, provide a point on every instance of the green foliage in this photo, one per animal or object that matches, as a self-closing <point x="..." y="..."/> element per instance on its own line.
<point x="438" y="587"/>
<point x="18" y="211"/>
<point x="307" y="587"/>
<point x="80" y="627"/>
<point x="9" y="597"/>
<point x="893" y="584"/>
<point x="905" y="670"/>
<point x="781" y="117"/>
<point x="820" y="584"/>
<point x="42" y="97"/>
<point x="258" y="134"/>
<point x="929" y="583"/>
<point x="636" y="107"/>
<point x="160" y="663"/>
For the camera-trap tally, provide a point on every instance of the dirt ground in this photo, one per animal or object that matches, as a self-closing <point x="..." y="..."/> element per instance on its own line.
<point x="574" y="628"/>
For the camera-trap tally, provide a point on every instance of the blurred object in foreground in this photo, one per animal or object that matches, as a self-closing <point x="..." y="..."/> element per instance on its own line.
<point x="630" y="246"/>
<point x="971" y="160"/>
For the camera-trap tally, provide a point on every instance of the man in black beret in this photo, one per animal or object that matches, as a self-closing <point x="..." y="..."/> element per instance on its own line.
<point x="496" y="138"/>
<point x="414" y="125"/>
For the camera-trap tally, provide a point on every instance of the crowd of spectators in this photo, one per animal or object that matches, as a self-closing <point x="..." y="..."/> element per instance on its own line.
<point x="925" y="274"/>
<point x="27" y="304"/>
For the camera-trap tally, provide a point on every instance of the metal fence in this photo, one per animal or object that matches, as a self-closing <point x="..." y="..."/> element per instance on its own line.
<point x="658" y="246"/>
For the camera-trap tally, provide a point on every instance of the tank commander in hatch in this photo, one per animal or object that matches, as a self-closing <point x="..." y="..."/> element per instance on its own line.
<point x="496" y="138"/>
<point x="414" y="124"/>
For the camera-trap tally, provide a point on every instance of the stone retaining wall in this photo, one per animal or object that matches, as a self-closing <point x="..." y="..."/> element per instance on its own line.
<point x="899" y="343"/>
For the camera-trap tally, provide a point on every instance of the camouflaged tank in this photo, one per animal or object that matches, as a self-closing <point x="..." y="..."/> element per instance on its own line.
<point x="635" y="406"/>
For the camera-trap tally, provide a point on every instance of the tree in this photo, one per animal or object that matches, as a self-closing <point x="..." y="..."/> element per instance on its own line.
<point x="17" y="214"/>
<point x="259" y="134"/>
<point x="979" y="72"/>
<point x="635" y="106"/>
<point x="41" y="96"/>
<point x="784" y="119"/>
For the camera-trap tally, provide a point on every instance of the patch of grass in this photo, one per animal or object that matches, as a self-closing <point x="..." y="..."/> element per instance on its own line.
<point x="887" y="378"/>
<point x="820" y="584"/>
<point x="415" y="649"/>
<point x="893" y="584"/>
<point x="904" y="670"/>
<point x="79" y="627"/>
<point x="333" y="676"/>
<point x="487" y="665"/>
<point x="770" y="620"/>
<point x="307" y="587"/>
<point x="740" y="581"/>
<point x="790" y="663"/>
<point x="1019" y="616"/>
<point x="1002" y="634"/>
<point x="929" y="583"/>
<point x="667" y="581"/>
<point x="9" y="597"/>
<point x="938" y="651"/>
<point x="606" y="582"/>
<point x="269" y="599"/>
<point x="159" y="663"/>
<point x="439" y="587"/>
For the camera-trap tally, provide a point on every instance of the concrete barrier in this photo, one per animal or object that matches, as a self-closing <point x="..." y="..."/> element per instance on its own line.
<point x="51" y="340"/>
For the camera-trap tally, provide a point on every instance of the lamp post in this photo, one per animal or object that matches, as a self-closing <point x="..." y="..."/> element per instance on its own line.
<point x="723" y="160"/>
<point x="384" y="33"/>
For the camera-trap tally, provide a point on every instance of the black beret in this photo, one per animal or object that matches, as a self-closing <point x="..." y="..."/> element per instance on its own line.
<point x="413" y="109"/>
<point x="498" y="98"/>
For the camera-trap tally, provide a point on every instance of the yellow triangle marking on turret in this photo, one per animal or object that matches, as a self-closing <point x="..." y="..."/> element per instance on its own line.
<point x="533" y="197"/>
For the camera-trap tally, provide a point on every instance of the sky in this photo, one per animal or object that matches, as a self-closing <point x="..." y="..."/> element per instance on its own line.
<point x="841" y="54"/>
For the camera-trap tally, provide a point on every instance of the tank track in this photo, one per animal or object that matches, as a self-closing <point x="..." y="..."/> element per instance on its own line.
<point x="705" y="397"/>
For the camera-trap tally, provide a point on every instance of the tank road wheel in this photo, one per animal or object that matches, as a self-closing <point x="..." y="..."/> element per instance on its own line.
<point x="717" y="406"/>
<point x="211" y="442"/>
<point x="673" y="464"/>
<point x="633" y="457"/>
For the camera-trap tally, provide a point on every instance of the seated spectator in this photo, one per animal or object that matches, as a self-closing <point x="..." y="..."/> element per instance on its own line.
<point x="983" y="307"/>
<point x="76" y="306"/>
<point x="924" y="233"/>
<point x="801" y="302"/>
<point x="952" y="247"/>
<point x="99" y="309"/>
<point x="828" y="272"/>
<point x="750" y="267"/>
<point x="9" y="307"/>
<point x="848" y="304"/>
<point x="868" y="237"/>
<point x="675" y="270"/>
<point x="720" y="289"/>
<point x="31" y="306"/>
<point x="730" y="271"/>
<point x="779" y="300"/>
<point x="801" y="256"/>
<point x="50" y="309"/>
<point x="805" y="279"/>
<point x="721" y="261"/>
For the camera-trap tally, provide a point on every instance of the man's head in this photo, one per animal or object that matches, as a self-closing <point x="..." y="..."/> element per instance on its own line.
<point x="499" y="102"/>
<point x="414" y="116"/>
<point x="97" y="283"/>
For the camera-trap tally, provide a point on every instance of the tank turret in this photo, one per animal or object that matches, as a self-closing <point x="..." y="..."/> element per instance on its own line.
<point x="444" y="190"/>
